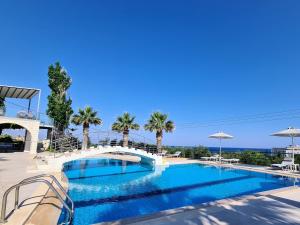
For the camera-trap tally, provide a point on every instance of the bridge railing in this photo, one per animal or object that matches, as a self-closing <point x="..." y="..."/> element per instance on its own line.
<point x="111" y="138"/>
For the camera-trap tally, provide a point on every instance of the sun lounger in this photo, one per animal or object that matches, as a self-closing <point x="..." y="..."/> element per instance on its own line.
<point x="235" y="160"/>
<point x="230" y="160"/>
<point x="176" y="154"/>
<point x="215" y="158"/>
<point x="293" y="167"/>
<point x="163" y="153"/>
<point x="205" y="158"/>
<point x="284" y="164"/>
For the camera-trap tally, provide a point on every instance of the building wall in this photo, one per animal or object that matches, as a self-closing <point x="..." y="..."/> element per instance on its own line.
<point x="32" y="127"/>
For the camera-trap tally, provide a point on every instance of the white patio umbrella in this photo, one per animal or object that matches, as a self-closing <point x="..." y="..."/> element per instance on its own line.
<point x="220" y="136"/>
<point x="290" y="132"/>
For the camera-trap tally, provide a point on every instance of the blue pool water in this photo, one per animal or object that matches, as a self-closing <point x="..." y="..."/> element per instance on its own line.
<point x="107" y="190"/>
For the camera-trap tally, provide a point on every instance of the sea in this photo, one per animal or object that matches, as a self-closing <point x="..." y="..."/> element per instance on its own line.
<point x="230" y="149"/>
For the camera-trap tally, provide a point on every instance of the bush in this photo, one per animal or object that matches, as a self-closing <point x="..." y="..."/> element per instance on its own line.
<point x="231" y="155"/>
<point x="201" y="152"/>
<point x="189" y="152"/>
<point x="276" y="159"/>
<point x="255" y="158"/>
<point x="6" y="138"/>
<point x="246" y="157"/>
<point x="50" y="149"/>
<point x="172" y="150"/>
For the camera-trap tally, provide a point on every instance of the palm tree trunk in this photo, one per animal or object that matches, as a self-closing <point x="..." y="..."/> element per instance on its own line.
<point x="159" y="141"/>
<point x="125" y="138"/>
<point x="85" y="137"/>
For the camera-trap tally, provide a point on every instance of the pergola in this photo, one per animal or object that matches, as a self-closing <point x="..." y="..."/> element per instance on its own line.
<point x="31" y="124"/>
<point x="21" y="93"/>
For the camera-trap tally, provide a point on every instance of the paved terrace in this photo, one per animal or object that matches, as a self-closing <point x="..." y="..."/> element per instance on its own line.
<point x="278" y="208"/>
<point x="15" y="167"/>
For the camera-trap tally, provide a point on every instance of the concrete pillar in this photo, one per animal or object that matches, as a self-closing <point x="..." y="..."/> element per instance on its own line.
<point x="34" y="140"/>
<point x="49" y="133"/>
<point x="27" y="141"/>
<point x="31" y="141"/>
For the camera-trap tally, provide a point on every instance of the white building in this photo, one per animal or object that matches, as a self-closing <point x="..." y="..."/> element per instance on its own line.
<point x="25" y="118"/>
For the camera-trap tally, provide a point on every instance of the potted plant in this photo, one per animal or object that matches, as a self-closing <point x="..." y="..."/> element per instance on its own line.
<point x="2" y="107"/>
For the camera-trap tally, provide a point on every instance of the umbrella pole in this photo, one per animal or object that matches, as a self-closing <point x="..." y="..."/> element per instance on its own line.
<point x="293" y="149"/>
<point x="220" y="152"/>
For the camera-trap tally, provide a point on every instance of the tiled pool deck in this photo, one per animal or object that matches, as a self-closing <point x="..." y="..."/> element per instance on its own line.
<point x="274" y="208"/>
<point x="14" y="167"/>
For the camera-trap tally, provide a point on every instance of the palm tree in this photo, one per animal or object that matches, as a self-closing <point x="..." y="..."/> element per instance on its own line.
<point x="158" y="123"/>
<point x="86" y="117"/>
<point x="123" y="124"/>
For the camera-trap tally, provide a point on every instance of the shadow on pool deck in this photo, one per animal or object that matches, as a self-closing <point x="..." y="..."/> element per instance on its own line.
<point x="270" y="209"/>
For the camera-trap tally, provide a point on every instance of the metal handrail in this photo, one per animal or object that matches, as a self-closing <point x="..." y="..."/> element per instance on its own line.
<point x="53" y="179"/>
<point x="64" y="143"/>
<point x="62" y="138"/>
<point x="26" y="182"/>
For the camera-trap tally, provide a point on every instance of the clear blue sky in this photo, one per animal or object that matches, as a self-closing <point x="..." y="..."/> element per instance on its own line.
<point x="198" y="61"/>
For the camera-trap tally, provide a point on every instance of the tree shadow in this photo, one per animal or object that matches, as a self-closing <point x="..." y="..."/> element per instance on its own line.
<point x="261" y="210"/>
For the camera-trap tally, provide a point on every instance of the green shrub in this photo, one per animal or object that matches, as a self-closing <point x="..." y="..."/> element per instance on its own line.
<point x="172" y="150"/>
<point x="201" y="152"/>
<point x="246" y="157"/>
<point x="231" y="155"/>
<point x="6" y="138"/>
<point x="189" y="152"/>
<point x="276" y="158"/>
<point x="255" y="158"/>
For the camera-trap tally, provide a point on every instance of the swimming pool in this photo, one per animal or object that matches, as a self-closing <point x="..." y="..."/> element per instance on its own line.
<point x="108" y="189"/>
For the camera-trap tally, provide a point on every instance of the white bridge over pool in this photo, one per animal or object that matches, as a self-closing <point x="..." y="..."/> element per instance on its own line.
<point x="51" y="163"/>
<point x="146" y="157"/>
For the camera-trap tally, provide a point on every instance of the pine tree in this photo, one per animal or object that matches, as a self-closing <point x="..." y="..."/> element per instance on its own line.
<point x="59" y="105"/>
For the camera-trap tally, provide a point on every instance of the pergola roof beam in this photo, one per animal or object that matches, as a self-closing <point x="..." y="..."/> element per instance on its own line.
<point x="17" y="92"/>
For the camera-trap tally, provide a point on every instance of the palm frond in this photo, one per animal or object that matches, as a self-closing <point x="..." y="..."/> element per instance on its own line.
<point x="125" y="123"/>
<point x="86" y="117"/>
<point x="170" y="126"/>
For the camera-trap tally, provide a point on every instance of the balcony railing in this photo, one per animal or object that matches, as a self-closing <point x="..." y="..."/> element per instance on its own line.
<point x="43" y="118"/>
